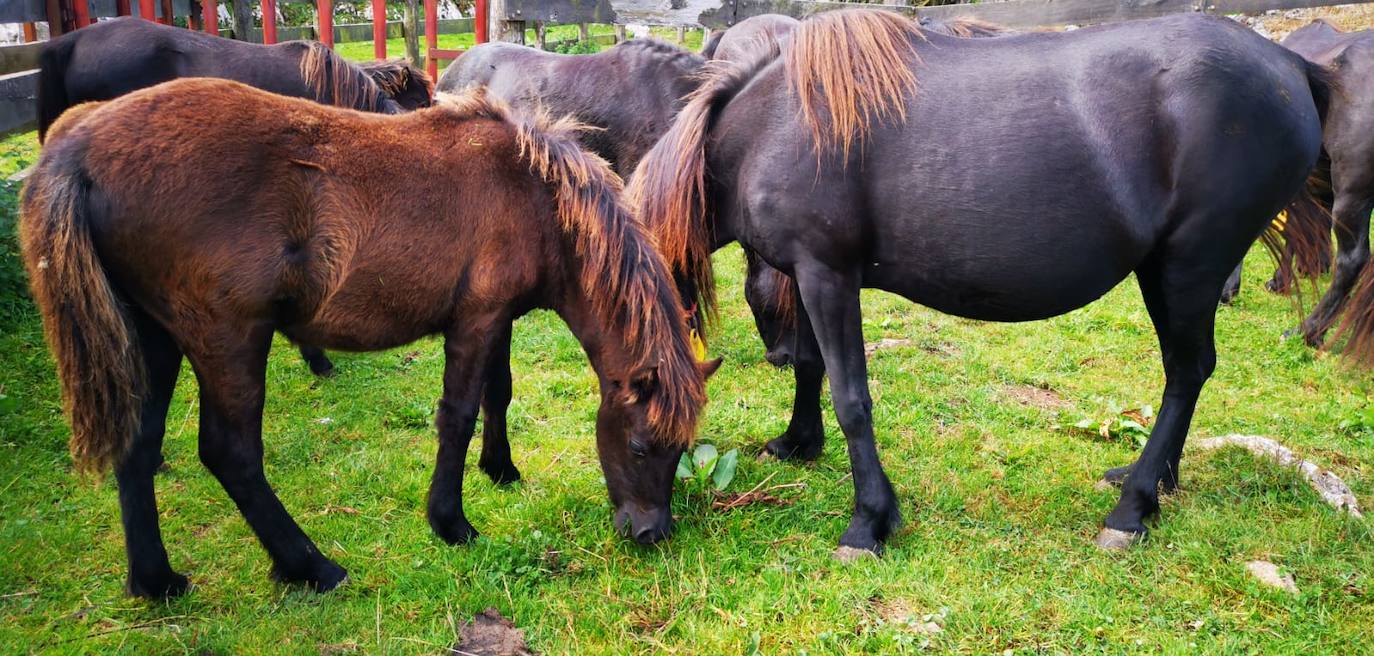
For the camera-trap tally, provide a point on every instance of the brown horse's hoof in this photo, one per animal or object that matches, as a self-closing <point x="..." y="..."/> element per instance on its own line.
<point x="848" y="555"/>
<point x="1110" y="539"/>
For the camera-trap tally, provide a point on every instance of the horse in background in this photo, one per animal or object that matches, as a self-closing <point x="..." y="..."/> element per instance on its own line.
<point x="115" y="57"/>
<point x="991" y="190"/>
<point x="151" y="234"/>
<point x="629" y="92"/>
<point x="1343" y="185"/>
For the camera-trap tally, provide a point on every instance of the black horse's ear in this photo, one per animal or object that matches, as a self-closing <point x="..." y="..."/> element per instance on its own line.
<point x="641" y="385"/>
<point x="709" y="367"/>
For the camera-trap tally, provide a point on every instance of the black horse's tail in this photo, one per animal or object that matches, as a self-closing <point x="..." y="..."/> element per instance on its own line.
<point x="52" y="87"/>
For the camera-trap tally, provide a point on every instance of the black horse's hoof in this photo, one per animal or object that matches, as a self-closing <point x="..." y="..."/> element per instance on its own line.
<point x="502" y="474"/>
<point x="163" y="586"/>
<point x="321" y="576"/>
<point x="323" y="368"/>
<point x="788" y="448"/>
<point x="848" y="555"/>
<point x="454" y="532"/>
<point x="1228" y="296"/>
<point x="1110" y="539"/>
<point x="1276" y="286"/>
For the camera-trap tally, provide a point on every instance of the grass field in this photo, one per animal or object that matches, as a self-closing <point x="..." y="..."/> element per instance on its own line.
<point x="975" y="424"/>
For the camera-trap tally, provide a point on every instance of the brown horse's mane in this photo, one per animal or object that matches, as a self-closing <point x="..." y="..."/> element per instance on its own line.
<point x="622" y="274"/>
<point x="850" y="68"/>
<point x="337" y="80"/>
<point x="393" y="75"/>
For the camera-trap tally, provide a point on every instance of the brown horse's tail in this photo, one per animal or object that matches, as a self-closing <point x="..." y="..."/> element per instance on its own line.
<point x="91" y="335"/>
<point x="1301" y="239"/>
<point x="668" y="190"/>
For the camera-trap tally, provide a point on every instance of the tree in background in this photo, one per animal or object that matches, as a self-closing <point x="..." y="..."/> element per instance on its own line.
<point x="410" y="29"/>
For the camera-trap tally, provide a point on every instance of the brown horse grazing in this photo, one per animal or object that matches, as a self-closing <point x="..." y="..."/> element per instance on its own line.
<point x="112" y="58"/>
<point x="151" y="234"/>
<point x="985" y="178"/>
<point x="630" y="92"/>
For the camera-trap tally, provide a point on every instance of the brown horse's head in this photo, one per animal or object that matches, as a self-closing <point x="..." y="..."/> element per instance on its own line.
<point x="624" y="307"/>
<point x="639" y="462"/>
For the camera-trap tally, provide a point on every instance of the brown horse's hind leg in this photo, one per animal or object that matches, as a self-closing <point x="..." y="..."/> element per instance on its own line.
<point x="318" y="362"/>
<point x="150" y="573"/>
<point x="496" y="395"/>
<point x="466" y="354"/>
<point x="231" y="394"/>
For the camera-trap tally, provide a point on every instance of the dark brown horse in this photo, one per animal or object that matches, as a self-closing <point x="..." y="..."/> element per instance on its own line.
<point x="1343" y="184"/>
<point x="151" y="234"/>
<point x="112" y="58"/>
<point x="630" y="92"/>
<point x="1024" y="177"/>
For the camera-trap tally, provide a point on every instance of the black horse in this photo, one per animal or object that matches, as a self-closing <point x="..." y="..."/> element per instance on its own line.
<point x="630" y="93"/>
<point x="115" y="57"/>
<point x="1023" y="178"/>
<point x="120" y="56"/>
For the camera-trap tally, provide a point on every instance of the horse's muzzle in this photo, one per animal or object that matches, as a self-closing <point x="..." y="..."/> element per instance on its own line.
<point x="645" y="526"/>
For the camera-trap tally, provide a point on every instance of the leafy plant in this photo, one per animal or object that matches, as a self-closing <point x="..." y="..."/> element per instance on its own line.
<point x="706" y="464"/>
<point x="1358" y="421"/>
<point x="574" y="47"/>
<point x="1119" y="424"/>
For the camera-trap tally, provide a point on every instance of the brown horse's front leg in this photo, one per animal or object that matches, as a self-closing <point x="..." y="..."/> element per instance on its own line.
<point x="231" y="394"/>
<point x="496" y="395"/>
<point x="466" y="353"/>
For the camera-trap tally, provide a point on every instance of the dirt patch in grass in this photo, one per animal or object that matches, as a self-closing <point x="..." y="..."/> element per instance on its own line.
<point x="489" y="634"/>
<point x="1036" y="397"/>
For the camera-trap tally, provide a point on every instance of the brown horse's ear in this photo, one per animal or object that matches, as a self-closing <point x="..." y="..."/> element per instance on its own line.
<point x="641" y="385"/>
<point x="709" y="367"/>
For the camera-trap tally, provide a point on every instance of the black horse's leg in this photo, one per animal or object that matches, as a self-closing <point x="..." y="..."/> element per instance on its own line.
<point x="832" y="303"/>
<point x="465" y="362"/>
<point x="1351" y="219"/>
<point x="231" y="393"/>
<point x="805" y="435"/>
<point x="317" y="361"/>
<point x="1183" y="309"/>
<point x="1232" y="287"/>
<point x="496" y="395"/>
<point x="150" y="573"/>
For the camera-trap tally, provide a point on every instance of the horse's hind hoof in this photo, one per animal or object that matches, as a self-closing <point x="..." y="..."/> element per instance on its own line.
<point x="1115" y="476"/>
<point x="165" y="586"/>
<point x="326" y="576"/>
<point x="1110" y="539"/>
<point x="788" y="448"/>
<point x="849" y="555"/>
<point x="503" y="475"/>
<point x="323" y="370"/>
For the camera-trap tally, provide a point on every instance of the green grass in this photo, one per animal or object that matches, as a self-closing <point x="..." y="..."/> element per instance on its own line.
<point x="362" y="50"/>
<point x="998" y="497"/>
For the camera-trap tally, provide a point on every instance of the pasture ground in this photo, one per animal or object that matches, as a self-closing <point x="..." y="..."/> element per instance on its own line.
<point x="975" y="424"/>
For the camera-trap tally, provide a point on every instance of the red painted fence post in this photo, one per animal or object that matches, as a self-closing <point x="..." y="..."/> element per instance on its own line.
<point x="325" y="8"/>
<point x="431" y="38"/>
<point x="209" y="16"/>
<point x="146" y="11"/>
<point x="269" y="21"/>
<point x="479" y="21"/>
<point x="82" y="11"/>
<point x="379" y="29"/>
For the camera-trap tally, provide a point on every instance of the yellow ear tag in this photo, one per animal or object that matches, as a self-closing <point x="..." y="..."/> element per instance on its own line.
<point x="698" y="346"/>
<point x="1281" y="221"/>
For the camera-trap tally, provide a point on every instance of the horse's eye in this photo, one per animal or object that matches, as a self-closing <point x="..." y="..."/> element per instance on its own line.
<point x="639" y="448"/>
